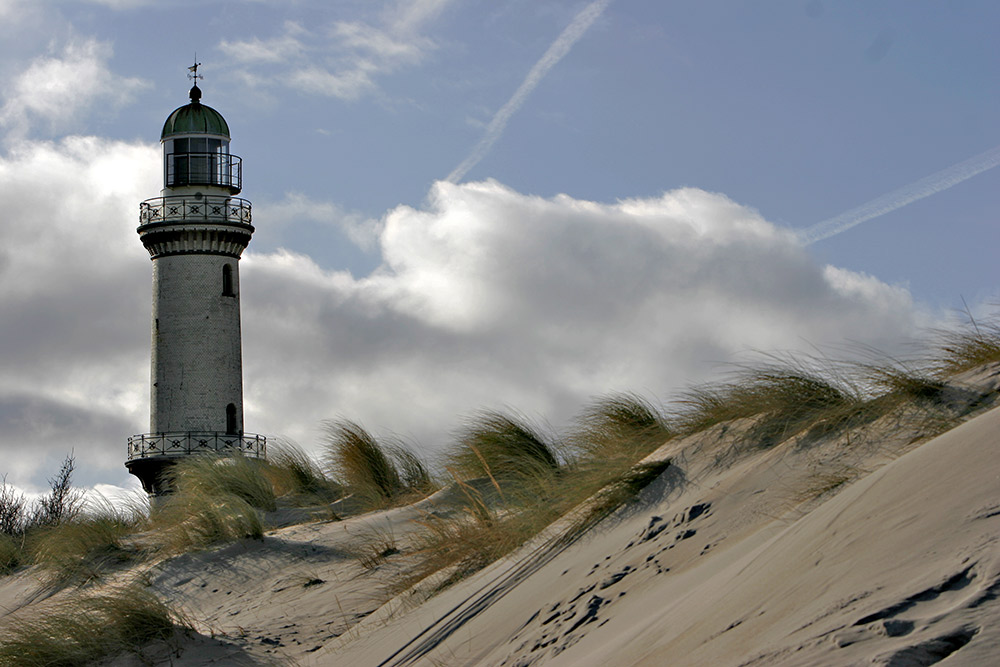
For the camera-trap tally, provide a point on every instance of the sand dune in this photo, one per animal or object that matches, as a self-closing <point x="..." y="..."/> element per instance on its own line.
<point x="878" y="549"/>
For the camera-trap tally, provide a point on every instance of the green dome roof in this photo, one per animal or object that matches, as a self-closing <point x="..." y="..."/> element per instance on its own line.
<point x="195" y="118"/>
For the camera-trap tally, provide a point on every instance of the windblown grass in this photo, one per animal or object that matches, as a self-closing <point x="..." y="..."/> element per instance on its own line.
<point x="533" y="489"/>
<point x="293" y="473"/>
<point x="86" y="628"/>
<point x="188" y="520"/>
<point x="507" y="448"/>
<point x="976" y="344"/>
<point x="214" y="500"/>
<point x="82" y="548"/>
<point x="358" y="461"/>
<point x="618" y="427"/>
<point x="237" y="476"/>
<point x="376" y="474"/>
<point x="784" y="396"/>
<point x="11" y="553"/>
<point x="413" y="472"/>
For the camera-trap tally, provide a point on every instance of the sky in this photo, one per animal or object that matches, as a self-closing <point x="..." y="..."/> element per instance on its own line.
<point x="514" y="204"/>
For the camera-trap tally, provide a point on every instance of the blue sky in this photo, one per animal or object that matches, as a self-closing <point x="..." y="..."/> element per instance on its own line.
<point x="741" y="121"/>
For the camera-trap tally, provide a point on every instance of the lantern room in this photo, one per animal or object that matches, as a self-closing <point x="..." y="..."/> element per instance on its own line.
<point x="195" y="142"/>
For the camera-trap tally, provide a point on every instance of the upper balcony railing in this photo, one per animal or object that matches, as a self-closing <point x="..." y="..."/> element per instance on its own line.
<point x="191" y="442"/>
<point x="218" y="169"/>
<point x="195" y="208"/>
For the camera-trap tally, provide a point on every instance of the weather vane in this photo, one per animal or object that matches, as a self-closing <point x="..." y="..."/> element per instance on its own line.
<point x="193" y="70"/>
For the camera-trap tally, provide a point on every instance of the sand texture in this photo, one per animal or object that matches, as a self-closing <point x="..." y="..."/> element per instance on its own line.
<point x="874" y="550"/>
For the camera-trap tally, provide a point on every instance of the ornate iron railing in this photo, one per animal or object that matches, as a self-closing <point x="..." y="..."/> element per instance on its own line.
<point x="220" y="169"/>
<point x="194" y="208"/>
<point x="193" y="442"/>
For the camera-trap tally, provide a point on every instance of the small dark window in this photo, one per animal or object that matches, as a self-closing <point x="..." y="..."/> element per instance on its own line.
<point x="231" y="426"/>
<point x="227" y="280"/>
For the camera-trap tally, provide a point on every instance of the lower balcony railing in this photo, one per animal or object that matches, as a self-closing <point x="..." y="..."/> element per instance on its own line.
<point x="194" y="442"/>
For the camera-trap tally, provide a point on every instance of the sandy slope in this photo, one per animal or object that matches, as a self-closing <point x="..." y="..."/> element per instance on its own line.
<point x="881" y="551"/>
<point x="902" y="567"/>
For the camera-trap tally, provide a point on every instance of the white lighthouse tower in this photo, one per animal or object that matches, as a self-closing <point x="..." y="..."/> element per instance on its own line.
<point x="195" y="232"/>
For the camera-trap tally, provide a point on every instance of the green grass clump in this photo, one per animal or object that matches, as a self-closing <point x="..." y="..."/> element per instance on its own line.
<point x="618" y="427"/>
<point x="82" y="548"/>
<point x="186" y="520"/>
<point x="293" y="473"/>
<point x="11" y="553"/>
<point x="784" y="398"/>
<point x="376" y="474"/>
<point x="976" y="344"/>
<point x="505" y="448"/>
<point x="356" y="459"/>
<point x="238" y="476"/>
<point x="213" y="500"/>
<point x="86" y="629"/>
<point x="413" y="472"/>
<point x="533" y="489"/>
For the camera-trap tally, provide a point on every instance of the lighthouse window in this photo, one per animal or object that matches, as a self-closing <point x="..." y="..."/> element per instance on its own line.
<point x="231" y="419"/>
<point x="197" y="160"/>
<point x="227" y="280"/>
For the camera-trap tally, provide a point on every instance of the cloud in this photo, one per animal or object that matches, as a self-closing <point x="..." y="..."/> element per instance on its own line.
<point x="274" y="50"/>
<point x="488" y="297"/>
<point x="485" y="297"/>
<point x="342" y="60"/>
<point x="74" y="303"/>
<point x="297" y="208"/>
<point x="57" y="90"/>
<point x="576" y="29"/>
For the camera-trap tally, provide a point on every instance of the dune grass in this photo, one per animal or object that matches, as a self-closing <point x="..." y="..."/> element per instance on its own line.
<point x="622" y="427"/>
<point x="294" y="474"/>
<point x="535" y="487"/>
<point x="377" y="475"/>
<point x="238" y="476"/>
<point x="785" y="396"/>
<point x="506" y="447"/>
<point x="80" y="549"/>
<point x="185" y="521"/>
<point x="86" y="628"/>
<point x="360" y="463"/>
<point x="11" y="553"/>
<point x="973" y="345"/>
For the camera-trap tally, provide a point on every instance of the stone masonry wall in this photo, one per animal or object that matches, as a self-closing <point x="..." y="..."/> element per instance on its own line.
<point x="196" y="368"/>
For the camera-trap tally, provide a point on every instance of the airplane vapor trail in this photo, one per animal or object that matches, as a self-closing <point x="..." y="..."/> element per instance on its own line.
<point x="907" y="194"/>
<point x="559" y="48"/>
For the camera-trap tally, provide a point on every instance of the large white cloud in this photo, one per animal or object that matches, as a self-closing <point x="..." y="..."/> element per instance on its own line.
<point x="74" y="312"/>
<point x="56" y="90"/>
<point x="486" y="297"/>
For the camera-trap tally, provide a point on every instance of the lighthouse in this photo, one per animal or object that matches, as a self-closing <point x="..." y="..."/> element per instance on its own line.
<point x="195" y="232"/>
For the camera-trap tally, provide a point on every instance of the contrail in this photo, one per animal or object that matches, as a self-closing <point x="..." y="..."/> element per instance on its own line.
<point x="573" y="32"/>
<point x="907" y="194"/>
